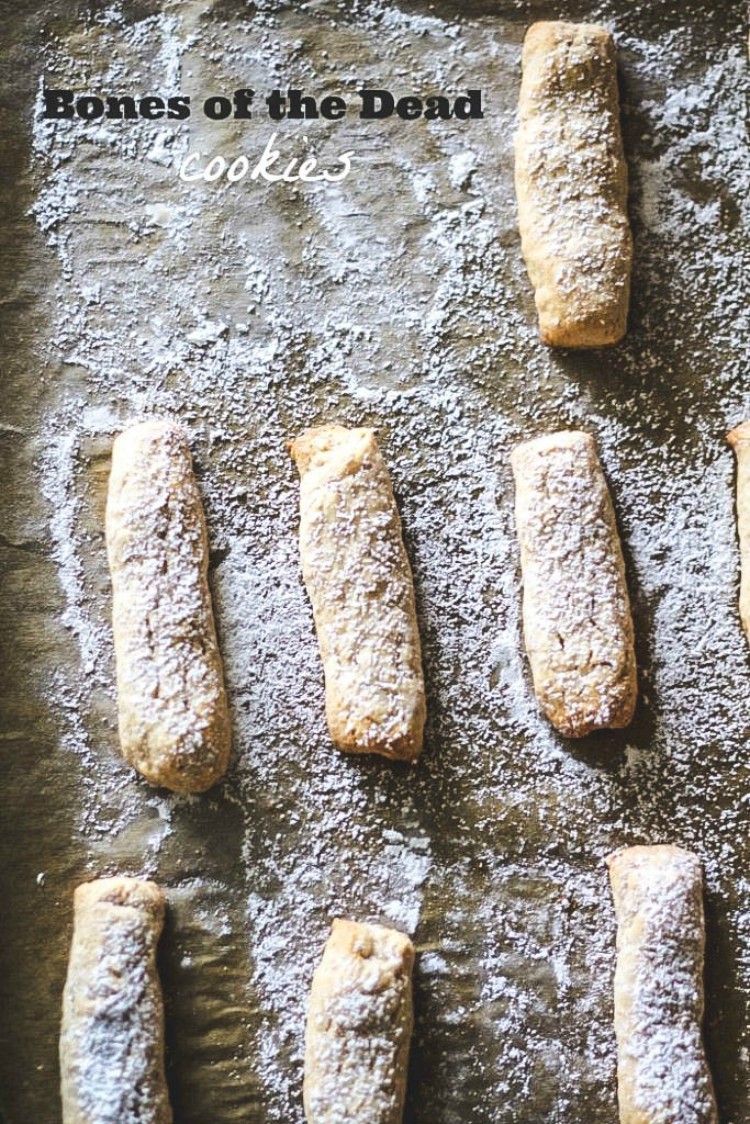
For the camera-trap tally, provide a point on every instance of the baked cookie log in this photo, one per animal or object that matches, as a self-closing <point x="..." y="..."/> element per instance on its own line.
<point x="572" y="185"/>
<point x="112" y="1038"/>
<point x="173" y="717"/>
<point x="739" y="439"/>
<point x="576" y="612"/>
<point x="662" y="1072"/>
<point x="359" y="1024"/>
<point x="360" y="584"/>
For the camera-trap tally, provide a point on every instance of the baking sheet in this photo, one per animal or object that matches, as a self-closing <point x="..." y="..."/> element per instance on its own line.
<point x="395" y="298"/>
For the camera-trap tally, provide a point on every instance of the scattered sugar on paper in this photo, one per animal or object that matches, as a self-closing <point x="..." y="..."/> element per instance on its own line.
<point x="261" y="320"/>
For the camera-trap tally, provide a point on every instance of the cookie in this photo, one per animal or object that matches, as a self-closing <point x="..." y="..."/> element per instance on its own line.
<point x="359" y="1027"/>
<point x="112" y="1036"/>
<point x="662" y="1071"/>
<point x="172" y="707"/>
<point x="739" y="439"/>
<point x="576" y="610"/>
<point x="572" y="185"/>
<point x="359" y="581"/>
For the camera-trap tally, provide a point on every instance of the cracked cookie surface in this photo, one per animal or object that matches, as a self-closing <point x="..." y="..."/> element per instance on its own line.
<point x="359" y="1027"/>
<point x="662" y="1072"/>
<point x="112" y="1036"/>
<point x="173" y="717"/>
<point x="576" y="611"/>
<point x="572" y="184"/>
<point x="359" y="581"/>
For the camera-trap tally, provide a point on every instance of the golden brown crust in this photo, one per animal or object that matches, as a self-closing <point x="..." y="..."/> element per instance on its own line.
<point x="173" y="715"/>
<point x="739" y="439"/>
<point x="360" y="584"/>
<point x="662" y="1072"/>
<point x="572" y="185"/>
<point x="112" y="1036"/>
<point x="576" y="611"/>
<point x="359" y="1027"/>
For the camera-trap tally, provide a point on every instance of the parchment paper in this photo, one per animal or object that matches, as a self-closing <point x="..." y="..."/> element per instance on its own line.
<point x="395" y="298"/>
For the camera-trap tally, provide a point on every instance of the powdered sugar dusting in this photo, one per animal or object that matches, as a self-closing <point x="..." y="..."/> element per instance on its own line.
<point x="662" y="1067"/>
<point x="173" y="720"/>
<point x="576" y="611"/>
<point x="400" y="300"/>
<point x="359" y="1026"/>
<point x="571" y="179"/>
<point x="359" y="581"/>
<point x="112" y="1053"/>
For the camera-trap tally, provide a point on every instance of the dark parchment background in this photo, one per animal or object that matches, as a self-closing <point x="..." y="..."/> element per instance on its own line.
<point x="399" y="300"/>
